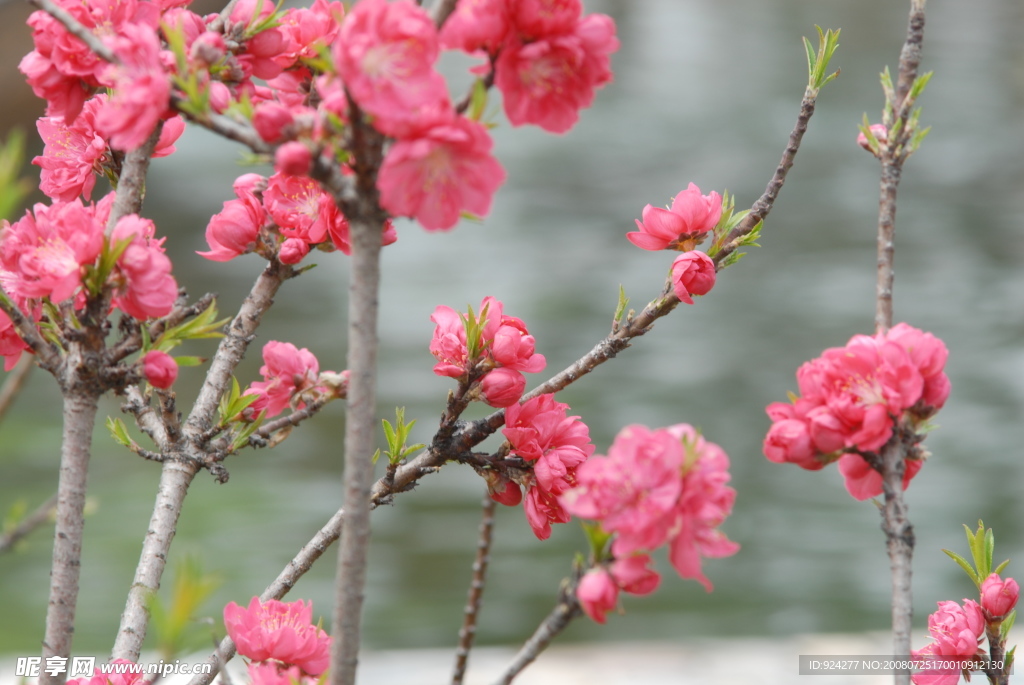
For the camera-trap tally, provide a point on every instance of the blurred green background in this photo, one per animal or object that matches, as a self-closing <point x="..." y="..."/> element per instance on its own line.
<point x="705" y="91"/>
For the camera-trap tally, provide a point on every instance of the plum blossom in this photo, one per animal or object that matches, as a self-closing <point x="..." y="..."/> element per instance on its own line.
<point x="287" y="372"/>
<point x="598" y="591"/>
<point x="437" y="171"/>
<point x="503" y="347"/>
<point x="45" y="251"/>
<point x="547" y="81"/>
<point x="145" y="287"/>
<point x="693" y="273"/>
<point x="851" y="400"/>
<point x="956" y="632"/>
<point x="998" y="596"/>
<point x="234" y="230"/>
<point x="656" y="487"/>
<point x="141" y="89"/>
<point x="540" y="431"/>
<point x="682" y="226"/>
<point x="476" y="25"/>
<point x="385" y="55"/>
<point x="11" y="344"/>
<point x="282" y="631"/>
<point x="160" y="369"/>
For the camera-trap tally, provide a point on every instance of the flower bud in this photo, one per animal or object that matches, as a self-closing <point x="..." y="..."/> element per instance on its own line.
<point x="160" y="369"/>
<point x="998" y="596"/>
<point x="693" y="273"/>
<point x="293" y="159"/>
<point x="270" y="120"/>
<point x="502" y="387"/>
<point x="597" y="594"/>
<point x="880" y="132"/>
<point x="293" y="250"/>
<point x="502" y="490"/>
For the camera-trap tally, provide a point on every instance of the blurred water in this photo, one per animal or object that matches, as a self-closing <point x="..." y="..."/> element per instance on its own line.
<point x="705" y="91"/>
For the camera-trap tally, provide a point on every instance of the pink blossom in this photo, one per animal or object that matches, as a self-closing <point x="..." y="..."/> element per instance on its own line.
<point x="503" y="339"/>
<point x="145" y="287"/>
<point x="633" y="575"/>
<point x="160" y="369"/>
<point x="293" y="250"/>
<point x="693" y="273"/>
<point x="437" y="173"/>
<point x="880" y="132"/>
<point x="502" y="387"/>
<point x="287" y="372"/>
<point x="502" y="490"/>
<point x="851" y="399"/>
<point x="293" y="159"/>
<point x="271" y="120"/>
<point x="656" y="487"/>
<point x="11" y="344"/>
<point x="514" y="348"/>
<point x="476" y="25"/>
<point x="45" y="250"/>
<point x="281" y="631"/>
<point x="260" y="57"/>
<point x="683" y="226"/>
<point x="308" y="28"/>
<point x="299" y="207"/>
<point x="540" y="431"/>
<point x="64" y="94"/>
<point x="141" y="89"/>
<point x="956" y="632"/>
<point x="597" y="594"/>
<point x="548" y="81"/>
<point x="998" y="596"/>
<point x="234" y="230"/>
<point x="385" y="54"/>
<point x="73" y="155"/>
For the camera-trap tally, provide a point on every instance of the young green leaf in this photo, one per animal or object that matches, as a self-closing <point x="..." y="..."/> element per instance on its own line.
<point x="119" y="431"/>
<point x="965" y="565"/>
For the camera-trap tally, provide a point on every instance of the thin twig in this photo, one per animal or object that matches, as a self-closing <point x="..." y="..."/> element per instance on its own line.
<point x="41" y="515"/>
<point x="14" y="382"/>
<point x="476" y="590"/>
<point x="567" y="609"/>
<point x="284" y="582"/>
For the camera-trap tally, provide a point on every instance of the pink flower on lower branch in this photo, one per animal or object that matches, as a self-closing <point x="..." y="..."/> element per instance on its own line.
<point x="145" y="287"/>
<point x="280" y="631"/>
<point x="598" y="591"/>
<point x="541" y="432"/>
<point x="956" y="632"/>
<point x="656" y="487"/>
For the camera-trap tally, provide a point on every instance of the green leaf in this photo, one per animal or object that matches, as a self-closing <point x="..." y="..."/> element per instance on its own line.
<point x="242" y="438"/>
<point x="15" y="514"/>
<point x="920" y="83"/>
<point x="731" y="259"/>
<point x="119" y="431"/>
<point x="13" y="189"/>
<point x="376" y="456"/>
<point x="598" y="540"/>
<point x="968" y="569"/>
<point x="620" y="308"/>
<point x="174" y="623"/>
<point x="478" y="100"/>
<point x="189" y="361"/>
<point x="999" y="569"/>
<point x="1007" y="624"/>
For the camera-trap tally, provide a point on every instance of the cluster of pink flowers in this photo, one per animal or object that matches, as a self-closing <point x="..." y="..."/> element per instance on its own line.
<point x="289" y="376"/>
<point x="852" y="399"/>
<point x="48" y="253"/>
<point x="502" y="351"/>
<point x="659" y="487"/>
<point x="682" y="227"/>
<point x="548" y="58"/>
<point x="555" y="444"/>
<point x="957" y="631"/>
<point x="294" y="209"/>
<point x="280" y="640"/>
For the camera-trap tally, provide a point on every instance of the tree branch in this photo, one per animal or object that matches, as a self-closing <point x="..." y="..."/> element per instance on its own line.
<point x="476" y="590"/>
<point x="41" y="515"/>
<point x="567" y="609"/>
